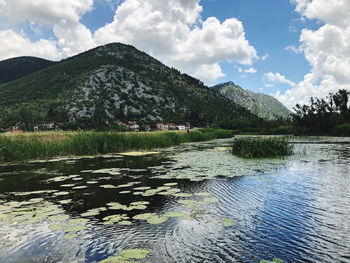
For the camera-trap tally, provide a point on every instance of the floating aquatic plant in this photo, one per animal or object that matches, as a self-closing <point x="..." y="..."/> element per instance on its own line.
<point x="228" y="222"/>
<point x="76" y="228"/>
<point x="202" y="194"/>
<point x="275" y="260"/>
<point x="70" y="236"/>
<point x="134" y="253"/>
<point x="157" y="219"/>
<point x="170" y="184"/>
<point x="125" y="223"/>
<point x="142" y="188"/>
<point x="137" y="154"/>
<point x="57" y="227"/>
<point x="117" y="259"/>
<point x="211" y="200"/>
<point x="144" y="216"/>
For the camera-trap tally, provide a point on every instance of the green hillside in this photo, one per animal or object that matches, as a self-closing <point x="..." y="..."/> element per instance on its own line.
<point x="15" y="68"/>
<point x="260" y="104"/>
<point x="108" y="83"/>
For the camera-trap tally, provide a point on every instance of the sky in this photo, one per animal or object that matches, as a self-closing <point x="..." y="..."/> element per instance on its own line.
<point x="290" y="49"/>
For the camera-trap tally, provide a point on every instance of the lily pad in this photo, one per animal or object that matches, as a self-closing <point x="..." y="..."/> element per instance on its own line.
<point x="142" y="188"/>
<point x="65" y="202"/>
<point x="77" y="179"/>
<point x="125" y="223"/>
<point x="67" y="185"/>
<point x="117" y="259"/>
<point x="61" y="193"/>
<point x="137" y="193"/>
<point x="140" y="203"/>
<point x="91" y="213"/>
<point x="157" y="219"/>
<point x="134" y="253"/>
<point x="76" y="228"/>
<point x="202" y="194"/>
<point x="171" y="184"/>
<point x="80" y="187"/>
<point x="107" y="186"/>
<point x="56" y="227"/>
<point x="144" y="216"/>
<point x="211" y="200"/>
<point x="70" y="236"/>
<point x="228" y="222"/>
<point x="125" y="192"/>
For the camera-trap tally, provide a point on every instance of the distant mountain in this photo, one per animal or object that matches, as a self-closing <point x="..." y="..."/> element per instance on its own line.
<point x="260" y="104"/>
<point x="109" y="83"/>
<point x="16" y="68"/>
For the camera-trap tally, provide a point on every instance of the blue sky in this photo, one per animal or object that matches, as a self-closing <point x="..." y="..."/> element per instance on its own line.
<point x="214" y="40"/>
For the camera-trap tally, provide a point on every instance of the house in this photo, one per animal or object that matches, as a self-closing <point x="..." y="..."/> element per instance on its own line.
<point x="48" y="125"/>
<point x="171" y="126"/>
<point x="133" y="126"/>
<point x="17" y="131"/>
<point x="147" y="127"/>
<point x="160" y="126"/>
<point x="181" y="127"/>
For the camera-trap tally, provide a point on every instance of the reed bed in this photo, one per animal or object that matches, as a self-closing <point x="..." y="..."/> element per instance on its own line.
<point x="262" y="147"/>
<point x="41" y="146"/>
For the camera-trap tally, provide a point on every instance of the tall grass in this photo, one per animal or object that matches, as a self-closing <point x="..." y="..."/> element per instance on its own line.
<point x="29" y="147"/>
<point x="261" y="147"/>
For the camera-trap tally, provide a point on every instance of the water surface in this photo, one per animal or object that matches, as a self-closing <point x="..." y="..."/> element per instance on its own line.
<point x="227" y="209"/>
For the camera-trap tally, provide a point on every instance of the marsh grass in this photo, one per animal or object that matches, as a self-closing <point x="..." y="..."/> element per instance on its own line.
<point x="260" y="147"/>
<point x="41" y="146"/>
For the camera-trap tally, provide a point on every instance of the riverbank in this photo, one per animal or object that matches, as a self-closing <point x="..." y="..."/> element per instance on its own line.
<point x="24" y="147"/>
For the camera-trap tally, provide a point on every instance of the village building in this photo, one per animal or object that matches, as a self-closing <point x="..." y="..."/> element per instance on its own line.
<point x="181" y="127"/>
<point x="147" y="127"/>
<point x="170" y="126"/>
<point x="160" y="126"/>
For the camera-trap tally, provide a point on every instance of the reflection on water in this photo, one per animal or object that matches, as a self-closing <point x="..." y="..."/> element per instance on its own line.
<point x="192" y="203"/>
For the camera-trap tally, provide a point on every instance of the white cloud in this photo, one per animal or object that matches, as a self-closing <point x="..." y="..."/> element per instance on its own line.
<point x="173" y="32"/>
<point x="63" y="16"/>
<point x="293" y="49"/>
<point x="327" y="50"/>
<point x="251" y="70"/>
<point x="240" y="70"/>
<point x="13" y="44"/>
<point x="277" y="78"/>
<point x="45" y="11"/>
<point x="209" y="73"/>
<point x="266" y="56"/>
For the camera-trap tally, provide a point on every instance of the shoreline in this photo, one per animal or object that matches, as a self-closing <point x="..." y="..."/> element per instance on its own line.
<point x="39" y="146"/>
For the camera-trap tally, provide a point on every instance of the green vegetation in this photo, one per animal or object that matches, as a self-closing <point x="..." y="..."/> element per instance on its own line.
<point x="324" y="117"/>
<point x="109" y="83"/>
<point x="15" y="68"/>
<point x="261" y="147"/>
<point x="262" y="105"/>
<point x="27" y="147"/>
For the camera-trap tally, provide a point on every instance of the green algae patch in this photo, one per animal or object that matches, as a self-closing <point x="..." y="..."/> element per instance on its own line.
<point x="228" y="222"/>
<point x="125" y="223"/>
<point x="117" y="259"/>
<point x="202" y="194"/>
<point x="143" y="188"/>
<point x="170" y="184"/>
<point x="109" y="220"/>
<point x="57" y="227"/>
<point x="76" y="228"/>
<point x="211" y="200"/>
<point x="275" y="260"/>
<point x="69" y="236"/>
<point x="157" y="219"/>
<point x="134" y="253"/>
<point x="144" y="216"/>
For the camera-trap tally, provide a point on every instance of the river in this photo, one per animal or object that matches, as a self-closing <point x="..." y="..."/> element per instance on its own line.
<point x="190" y="203"/>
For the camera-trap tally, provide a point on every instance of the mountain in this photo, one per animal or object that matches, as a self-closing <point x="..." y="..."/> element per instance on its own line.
<point x="16" y="68"/>
<point x="260" y="104"/>
<point x="109" y="83"/>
